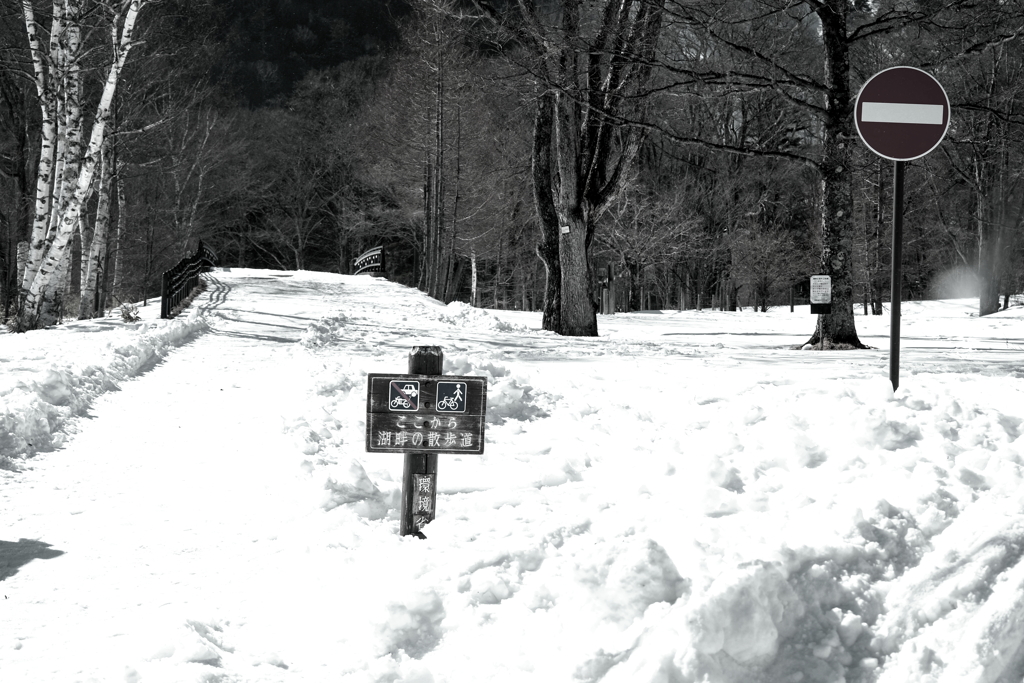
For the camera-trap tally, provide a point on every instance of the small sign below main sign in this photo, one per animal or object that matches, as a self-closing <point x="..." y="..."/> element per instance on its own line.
<point x="821" y="294"/>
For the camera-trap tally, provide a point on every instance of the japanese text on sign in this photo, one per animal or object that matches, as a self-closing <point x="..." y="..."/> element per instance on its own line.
<point x="821" y="289"/>
<point x="423" y="487"/>
<point x="402" y="438"/>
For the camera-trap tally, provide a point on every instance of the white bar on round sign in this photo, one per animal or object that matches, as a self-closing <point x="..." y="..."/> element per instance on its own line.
<point x="901" y="112"/>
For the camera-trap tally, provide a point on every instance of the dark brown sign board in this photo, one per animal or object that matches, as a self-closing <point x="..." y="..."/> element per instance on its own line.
<point x="425" y="413"/>
<point x="902" y="113"/>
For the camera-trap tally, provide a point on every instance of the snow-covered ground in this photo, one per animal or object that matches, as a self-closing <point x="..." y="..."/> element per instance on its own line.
<point x="681" y="499"/>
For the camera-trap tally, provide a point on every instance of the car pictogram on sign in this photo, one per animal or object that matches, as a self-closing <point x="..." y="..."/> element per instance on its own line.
<point x="404" y="396"/>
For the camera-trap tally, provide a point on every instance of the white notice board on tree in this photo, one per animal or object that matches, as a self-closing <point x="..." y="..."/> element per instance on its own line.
<point x="821" y="289"/>
<point x="821" y="294"/>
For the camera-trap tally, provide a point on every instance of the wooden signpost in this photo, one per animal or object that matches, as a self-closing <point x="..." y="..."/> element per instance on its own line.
<point x="422" y="414"/>
<point x="901" y="114"/>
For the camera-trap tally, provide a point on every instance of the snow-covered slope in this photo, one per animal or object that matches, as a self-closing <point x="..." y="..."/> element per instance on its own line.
<point x="681" y="499"/>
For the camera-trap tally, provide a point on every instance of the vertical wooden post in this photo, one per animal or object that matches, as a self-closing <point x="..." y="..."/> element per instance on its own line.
<point x="791" y="288"/>
<point x="164" y="296"/>
<point x="420" y="468"/>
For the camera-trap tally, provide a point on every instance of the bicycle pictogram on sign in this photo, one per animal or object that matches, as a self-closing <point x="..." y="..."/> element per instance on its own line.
<point x="404" y="395"/>
<point x="451" y="397"/>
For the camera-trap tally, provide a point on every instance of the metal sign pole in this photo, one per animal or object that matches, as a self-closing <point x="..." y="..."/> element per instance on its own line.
<point x="896" y="277"/>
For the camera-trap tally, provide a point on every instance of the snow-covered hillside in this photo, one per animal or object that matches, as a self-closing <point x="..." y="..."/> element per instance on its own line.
<point x="681" y="499"/>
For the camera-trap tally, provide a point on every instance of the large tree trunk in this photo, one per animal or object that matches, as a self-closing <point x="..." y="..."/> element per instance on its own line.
<point x="547" y="248"/>
<point x="988" y="221"/>
<point x="837" y="329"/>
<point x="581" y="151"/>
<point x="579" y="316"/>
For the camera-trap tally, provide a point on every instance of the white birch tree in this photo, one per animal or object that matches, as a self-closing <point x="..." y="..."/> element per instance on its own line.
<point x="95" y="256"/>
<point x="66" y="165"/>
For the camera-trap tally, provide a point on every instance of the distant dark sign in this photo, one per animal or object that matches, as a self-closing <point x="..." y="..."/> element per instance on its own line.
<point x="371" y="261"/>
<point x="902" y="113"/>
<point x="425" y="413"/>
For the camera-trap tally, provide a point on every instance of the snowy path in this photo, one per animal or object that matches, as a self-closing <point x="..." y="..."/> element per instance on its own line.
<point x="152" y="532"/>
<point x="682" y="497"/>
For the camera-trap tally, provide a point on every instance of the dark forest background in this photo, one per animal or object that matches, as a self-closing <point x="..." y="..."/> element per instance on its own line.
<point x="295" y="134"/>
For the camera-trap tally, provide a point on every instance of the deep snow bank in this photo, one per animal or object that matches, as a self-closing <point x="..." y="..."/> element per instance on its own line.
<point x="49" y="376"/>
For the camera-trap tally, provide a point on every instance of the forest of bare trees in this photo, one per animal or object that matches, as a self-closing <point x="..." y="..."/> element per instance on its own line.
<point x="505" y="152"/>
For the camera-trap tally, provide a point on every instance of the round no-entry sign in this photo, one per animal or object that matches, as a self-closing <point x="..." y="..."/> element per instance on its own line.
<point x="902" y="113"/>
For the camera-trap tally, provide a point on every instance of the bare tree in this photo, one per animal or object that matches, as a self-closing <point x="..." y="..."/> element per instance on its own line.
<point x="985" y="152"/>
<point x="730" y="48"/>
<point x="593" y="66"/>
<point x="642" y="231"/>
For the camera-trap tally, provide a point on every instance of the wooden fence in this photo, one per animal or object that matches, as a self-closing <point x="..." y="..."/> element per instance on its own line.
<point x="179" y="281"/>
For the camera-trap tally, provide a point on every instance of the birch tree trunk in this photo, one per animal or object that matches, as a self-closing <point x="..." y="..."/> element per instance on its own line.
<point x="472" y="286"/>
<point x="97" y="249"/>
<point x="46" y="90"/>
<point x="59" y="206"/>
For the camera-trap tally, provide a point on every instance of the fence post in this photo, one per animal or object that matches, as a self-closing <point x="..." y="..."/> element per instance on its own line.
<point x="164" y="307"/>
<point x="420" y="469"/>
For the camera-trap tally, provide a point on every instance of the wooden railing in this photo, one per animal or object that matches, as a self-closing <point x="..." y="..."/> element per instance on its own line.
<point x="179" y="281"/>
<point x="371" y="261"/>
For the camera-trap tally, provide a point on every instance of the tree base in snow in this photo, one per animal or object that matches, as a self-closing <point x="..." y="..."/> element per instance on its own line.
<point x="816" y="345"/>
